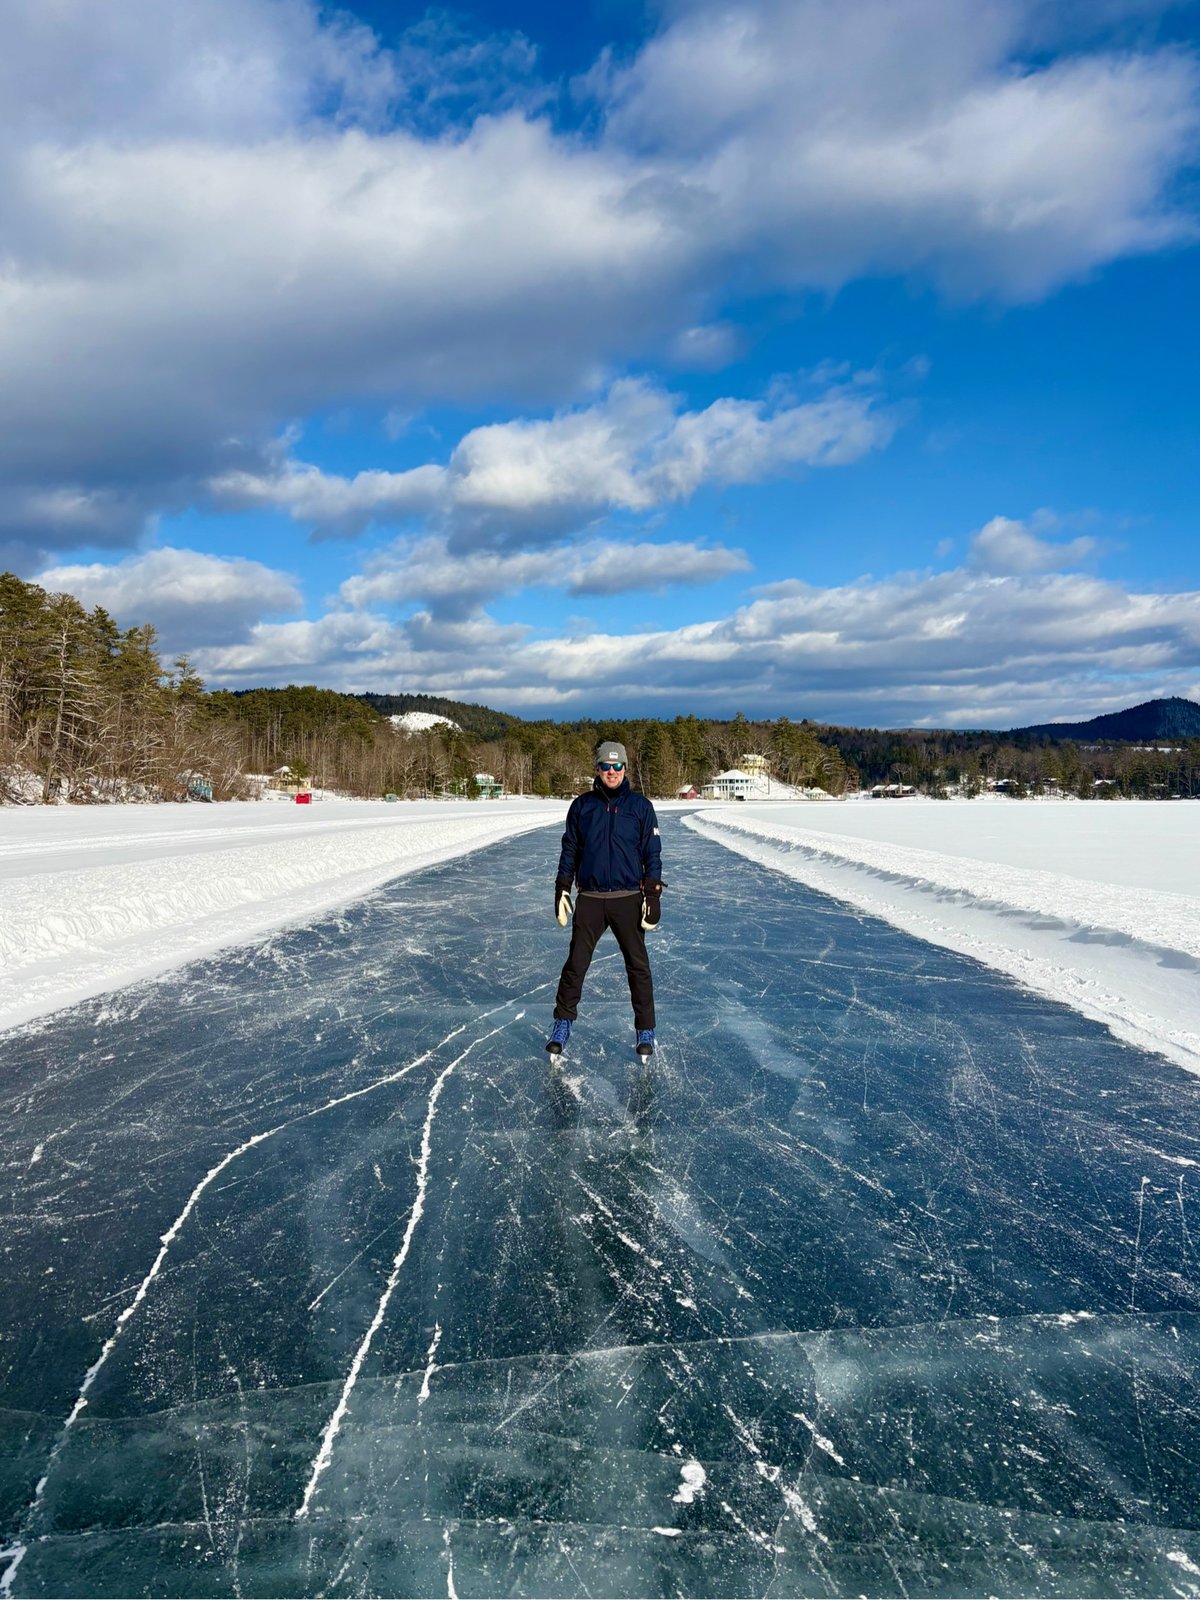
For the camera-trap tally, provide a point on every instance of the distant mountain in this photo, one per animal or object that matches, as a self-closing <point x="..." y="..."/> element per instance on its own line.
<point x="1153" y="720"/>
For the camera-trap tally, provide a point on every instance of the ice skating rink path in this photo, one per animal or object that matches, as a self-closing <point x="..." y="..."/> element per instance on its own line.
<point x="881" y="1280"/>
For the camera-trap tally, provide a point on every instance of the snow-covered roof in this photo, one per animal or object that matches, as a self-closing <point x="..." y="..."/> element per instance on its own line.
<point x="420" y="721"/>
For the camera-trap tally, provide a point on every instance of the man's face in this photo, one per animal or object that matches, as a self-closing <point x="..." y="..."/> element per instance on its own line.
<point x="612" y="776"/>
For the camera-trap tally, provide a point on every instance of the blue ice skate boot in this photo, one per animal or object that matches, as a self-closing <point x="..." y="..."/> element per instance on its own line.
<point x="645" y="1043"/>
<point x="559" y="1035"/>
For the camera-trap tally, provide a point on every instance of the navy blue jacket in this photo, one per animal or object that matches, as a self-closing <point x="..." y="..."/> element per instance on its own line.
<point x="611" y="840"/>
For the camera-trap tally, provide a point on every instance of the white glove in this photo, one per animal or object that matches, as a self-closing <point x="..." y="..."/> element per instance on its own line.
<point x="562" y="909"/>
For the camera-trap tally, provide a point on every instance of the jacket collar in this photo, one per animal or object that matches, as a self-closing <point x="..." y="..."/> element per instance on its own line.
<point x="611" y="794"/>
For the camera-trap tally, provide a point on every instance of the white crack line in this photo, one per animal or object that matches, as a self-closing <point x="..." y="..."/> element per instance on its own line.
<point x="16" y="1551"/>
<point x="332" y="1428"/>
<point x="15" y="1554"/>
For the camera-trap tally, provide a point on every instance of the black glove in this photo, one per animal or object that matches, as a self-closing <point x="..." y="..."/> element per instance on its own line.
<point x="651" y="903"/>
<point x="562" y="901"/>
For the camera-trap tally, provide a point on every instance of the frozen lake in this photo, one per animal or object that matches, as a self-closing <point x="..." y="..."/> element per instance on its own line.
<point x="881" y="1280"/>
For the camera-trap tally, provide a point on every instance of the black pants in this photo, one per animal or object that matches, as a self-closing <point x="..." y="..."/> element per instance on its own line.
<point x="623" y="915"/>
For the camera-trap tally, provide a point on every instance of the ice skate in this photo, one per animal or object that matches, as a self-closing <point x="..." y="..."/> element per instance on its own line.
<point x="559" y="1035"/>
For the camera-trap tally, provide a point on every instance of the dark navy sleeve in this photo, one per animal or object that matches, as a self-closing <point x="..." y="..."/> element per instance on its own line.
<point x="651" y="846"/>
<point x="572" y="843"/>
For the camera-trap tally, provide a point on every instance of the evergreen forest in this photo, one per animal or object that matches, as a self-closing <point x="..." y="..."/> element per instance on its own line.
<point x="90" y="713"/>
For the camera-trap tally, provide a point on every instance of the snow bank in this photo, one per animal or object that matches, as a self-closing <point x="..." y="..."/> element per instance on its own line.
<point x="91" y="899"/>
<point x="1095" y="905"/>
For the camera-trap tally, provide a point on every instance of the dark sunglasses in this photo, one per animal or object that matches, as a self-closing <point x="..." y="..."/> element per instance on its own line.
<point x="610" y="766"/>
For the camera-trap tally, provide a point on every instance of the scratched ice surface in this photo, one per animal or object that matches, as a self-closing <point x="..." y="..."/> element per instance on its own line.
<point x="882" y="1280"/>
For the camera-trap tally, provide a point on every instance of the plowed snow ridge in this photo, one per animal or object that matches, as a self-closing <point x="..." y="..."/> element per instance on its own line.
<point x="91" y="900"/>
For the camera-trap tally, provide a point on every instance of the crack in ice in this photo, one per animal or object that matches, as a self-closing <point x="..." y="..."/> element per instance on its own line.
<point x="430" y="1365"/>
<point x="16" y="1552"/>
<point x="333" y="1427"/>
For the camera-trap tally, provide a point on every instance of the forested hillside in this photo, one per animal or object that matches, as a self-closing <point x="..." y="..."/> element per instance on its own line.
<point x="89" y="712"/>
<point x="1169" y="718"/>
<point x="480" y="721"/>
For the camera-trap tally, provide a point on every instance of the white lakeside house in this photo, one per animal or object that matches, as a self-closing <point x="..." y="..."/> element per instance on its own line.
<point x="735" y="785"/>
<point x="756" y="784"/>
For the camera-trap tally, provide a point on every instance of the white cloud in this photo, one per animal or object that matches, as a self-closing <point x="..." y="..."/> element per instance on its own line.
<point x="910" y="134"/>
<point x="530" y="481"/>
<point x="221" y="70"/>
<point x="457" y="585"/>
<point x="356" y="644"/>
<point x="190" y="597"/>
<point x="332" y="505"/>
<point x="954" y="648"/>
<point x="623" y="568"/>
<point x="222" y="214"/>
<point x="1004" y="546"/>
<point x="165" y="306"/>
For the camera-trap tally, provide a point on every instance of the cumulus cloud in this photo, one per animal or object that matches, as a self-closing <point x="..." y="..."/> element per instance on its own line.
<point x="166" y="305"/>
<point x="452" y="585"/>
<point x="359" y="645"/>
<point x="190" y="597"/>
<point x="221" y="70"/>
<point x="529" y="481"/>
<point x="610" y="568"/>
<point x="947" y="649"/>
<point x="1004" y="546"/>
<point x="222" y="214"/>
<point x="911" y="134"/>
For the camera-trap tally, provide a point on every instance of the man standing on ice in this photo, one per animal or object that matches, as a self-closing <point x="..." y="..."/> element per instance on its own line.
<point x="611" y="849"/>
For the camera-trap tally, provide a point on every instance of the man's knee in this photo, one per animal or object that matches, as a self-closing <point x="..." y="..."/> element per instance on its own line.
<point x="581" y="951"/>
<point x="637" y="961"/>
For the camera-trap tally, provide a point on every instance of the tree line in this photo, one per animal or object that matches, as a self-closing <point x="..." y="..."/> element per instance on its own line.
<point x="89" y="713"/>
<point x="945" y="763"/>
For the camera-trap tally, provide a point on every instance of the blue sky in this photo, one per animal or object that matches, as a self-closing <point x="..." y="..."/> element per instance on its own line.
<point x="828" y="358"/>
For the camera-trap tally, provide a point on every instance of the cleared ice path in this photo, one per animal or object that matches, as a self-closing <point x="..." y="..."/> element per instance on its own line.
<point x="882" y="1280"/>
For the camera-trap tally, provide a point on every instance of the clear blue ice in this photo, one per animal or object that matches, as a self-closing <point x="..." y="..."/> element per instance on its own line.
<point x="880" y="1280"/>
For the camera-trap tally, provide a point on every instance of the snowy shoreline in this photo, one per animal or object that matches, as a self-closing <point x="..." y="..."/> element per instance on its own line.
<point x="1102" y="932"/>
<point x="92" y="899"/>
